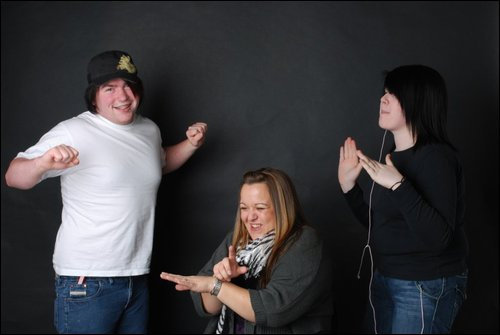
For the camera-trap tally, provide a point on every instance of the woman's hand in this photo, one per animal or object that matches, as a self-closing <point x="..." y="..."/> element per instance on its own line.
<point x="228" y="268"/>
<point x="201" y="284"/>
<point x="349" y="166"/>
<point x="385" y="175"/>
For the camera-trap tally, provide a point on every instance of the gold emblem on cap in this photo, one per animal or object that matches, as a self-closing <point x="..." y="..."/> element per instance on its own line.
<point x="126" y="64"/>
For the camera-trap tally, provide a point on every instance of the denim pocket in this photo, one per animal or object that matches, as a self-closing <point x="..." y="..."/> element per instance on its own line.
<point x="76" y="305"/>
<point x="461" y="285"/>
<point x="431" y="288"/>
<point x="68" y="288"/>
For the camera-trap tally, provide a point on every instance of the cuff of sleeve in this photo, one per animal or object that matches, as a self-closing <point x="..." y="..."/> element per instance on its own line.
<point x="404" y="196"/>
<point x="353" y="192"/>
<point x="258" y="307"/>
<point x="198" y="304"/>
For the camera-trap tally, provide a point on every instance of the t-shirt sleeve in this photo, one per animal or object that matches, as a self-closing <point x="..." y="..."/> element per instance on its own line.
<point x="54" y="137"/>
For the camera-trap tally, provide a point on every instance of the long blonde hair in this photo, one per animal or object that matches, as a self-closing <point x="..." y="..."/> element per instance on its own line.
<point x="289" y="215"/>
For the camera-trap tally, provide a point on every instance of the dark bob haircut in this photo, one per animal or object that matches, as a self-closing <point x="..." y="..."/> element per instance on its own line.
<point x="421" y="92"/>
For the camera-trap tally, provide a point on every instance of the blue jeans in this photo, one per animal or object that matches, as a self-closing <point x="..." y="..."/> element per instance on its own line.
<point x="421" y="306"/>
<point x="101" y="305"/>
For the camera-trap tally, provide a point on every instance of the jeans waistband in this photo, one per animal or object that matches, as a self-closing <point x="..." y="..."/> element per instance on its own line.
<point x="112" y="278"/>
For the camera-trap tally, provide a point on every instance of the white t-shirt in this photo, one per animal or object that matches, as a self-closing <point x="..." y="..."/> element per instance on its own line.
<point x="109" y="198"/>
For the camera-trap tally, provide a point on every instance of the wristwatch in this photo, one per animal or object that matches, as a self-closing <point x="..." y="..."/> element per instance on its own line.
<point x="216" y="289"/>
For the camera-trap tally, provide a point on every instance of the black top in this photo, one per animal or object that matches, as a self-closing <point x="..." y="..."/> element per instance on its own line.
<point x="417" y="230"/>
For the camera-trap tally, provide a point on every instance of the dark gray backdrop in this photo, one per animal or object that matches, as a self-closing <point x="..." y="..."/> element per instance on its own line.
<point x="279" y="84"/>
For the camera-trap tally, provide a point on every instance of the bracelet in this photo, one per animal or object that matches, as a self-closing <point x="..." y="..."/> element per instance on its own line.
<point x="216" y="289"/>
<point x="397" y="183"/>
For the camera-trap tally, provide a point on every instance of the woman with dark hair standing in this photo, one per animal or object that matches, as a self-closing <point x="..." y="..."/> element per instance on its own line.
<point x="415" y="209"/>
<point x="269" y="275"/>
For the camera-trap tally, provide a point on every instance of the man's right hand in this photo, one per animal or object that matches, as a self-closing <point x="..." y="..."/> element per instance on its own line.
<point x="25" y="173"/>
<point x="58" y="158"/>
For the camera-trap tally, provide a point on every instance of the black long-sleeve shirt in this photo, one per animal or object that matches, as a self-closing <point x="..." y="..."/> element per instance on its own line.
<point x="417" y="230"/>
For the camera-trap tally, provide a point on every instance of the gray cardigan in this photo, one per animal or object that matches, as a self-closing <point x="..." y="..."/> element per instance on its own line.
<point x="297" y="299"/>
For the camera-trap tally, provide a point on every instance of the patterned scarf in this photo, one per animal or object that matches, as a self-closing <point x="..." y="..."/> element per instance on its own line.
<point x="254" y="256"/>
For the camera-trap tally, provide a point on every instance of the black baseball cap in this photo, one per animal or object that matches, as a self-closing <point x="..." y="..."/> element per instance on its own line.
<point x="111" y="65"/>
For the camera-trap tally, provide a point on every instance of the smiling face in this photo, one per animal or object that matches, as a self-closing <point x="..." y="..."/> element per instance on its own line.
<point x="256" y="209"/>
<point x="116" y="101"/>
<point x="391" y="115"/>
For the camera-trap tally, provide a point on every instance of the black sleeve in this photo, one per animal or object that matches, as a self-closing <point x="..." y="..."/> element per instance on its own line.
<point x="357" y="204"/>
<point x="429" y="202"/>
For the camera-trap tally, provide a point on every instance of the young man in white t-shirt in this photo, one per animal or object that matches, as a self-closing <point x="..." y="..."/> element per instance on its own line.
<point x="110" y="161"/>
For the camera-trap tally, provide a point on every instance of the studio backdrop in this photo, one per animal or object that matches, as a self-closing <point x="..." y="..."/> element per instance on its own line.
<point x="280" y="84"/>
